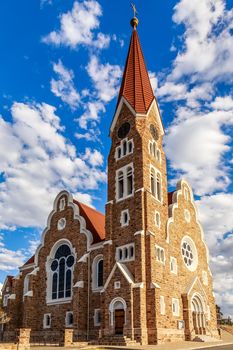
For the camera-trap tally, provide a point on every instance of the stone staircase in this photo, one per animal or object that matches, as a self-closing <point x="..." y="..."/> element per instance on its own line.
<point x="114" y="340"/>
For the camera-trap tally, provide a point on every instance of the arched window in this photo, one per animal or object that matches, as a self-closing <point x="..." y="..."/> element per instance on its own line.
<point x="158" y="187"/>
<point x="61" y="269"/>
<point x="98" y="272"/>
<point x="156" y="183"/>
<point x="152" y="181"/>
<point x="26" y="284"/>
<point x="129" y="181"/>
<point x="124" y="182"/>
<point x="120" y="184"/>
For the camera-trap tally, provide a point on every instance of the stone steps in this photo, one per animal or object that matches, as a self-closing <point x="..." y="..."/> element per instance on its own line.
<point x="114" y="340"/>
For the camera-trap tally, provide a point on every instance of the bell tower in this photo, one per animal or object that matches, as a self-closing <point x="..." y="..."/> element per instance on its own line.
<point x="136" y="209"/>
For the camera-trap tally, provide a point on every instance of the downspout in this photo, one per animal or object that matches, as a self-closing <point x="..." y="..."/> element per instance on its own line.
<point x="88" y="295"/>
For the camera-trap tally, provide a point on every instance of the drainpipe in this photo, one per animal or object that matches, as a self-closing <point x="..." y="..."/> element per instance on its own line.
<point x="88" y="295"/>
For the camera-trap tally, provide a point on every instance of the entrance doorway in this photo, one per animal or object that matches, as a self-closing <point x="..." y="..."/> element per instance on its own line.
<point x="119" y="321"/>
<point x="198" y="314"/>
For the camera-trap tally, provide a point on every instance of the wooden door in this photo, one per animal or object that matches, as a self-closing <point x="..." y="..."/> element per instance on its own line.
<point x="119" y="321"/>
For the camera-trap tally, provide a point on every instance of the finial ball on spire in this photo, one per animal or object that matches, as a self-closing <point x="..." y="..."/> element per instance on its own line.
<point x="134" y="22"/>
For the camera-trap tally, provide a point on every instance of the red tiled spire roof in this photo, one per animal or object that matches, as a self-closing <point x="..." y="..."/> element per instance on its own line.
<point x="136" y="87"/>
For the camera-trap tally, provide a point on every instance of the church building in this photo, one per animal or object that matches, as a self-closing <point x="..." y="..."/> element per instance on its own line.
<point x="138" y="274"/>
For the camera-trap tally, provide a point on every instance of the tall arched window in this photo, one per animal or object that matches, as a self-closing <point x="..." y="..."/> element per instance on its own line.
<point x="158" y="185"/>
<point x="98" y="272"/>
<point x="152" y="181"/>
<point x="61" y="272"/>
<point x="120" y="184"/>
<point x="129" y="180"/>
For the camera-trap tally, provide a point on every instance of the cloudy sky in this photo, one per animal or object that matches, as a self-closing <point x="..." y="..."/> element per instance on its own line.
<point x="60" y="68"/>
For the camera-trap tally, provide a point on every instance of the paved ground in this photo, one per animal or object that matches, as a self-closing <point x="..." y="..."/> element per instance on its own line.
<point x="223" y="347"/>
<point x="225" y="344"/>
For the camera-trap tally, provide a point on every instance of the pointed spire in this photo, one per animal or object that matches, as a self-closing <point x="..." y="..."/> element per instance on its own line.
<point x="136" y="87"/>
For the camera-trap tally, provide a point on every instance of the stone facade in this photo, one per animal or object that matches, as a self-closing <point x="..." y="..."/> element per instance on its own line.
<point x="159" y="290"/>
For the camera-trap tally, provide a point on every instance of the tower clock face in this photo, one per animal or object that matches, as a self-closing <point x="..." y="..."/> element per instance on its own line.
<point x="154" y="132"/>
<point x="123" y="130"/>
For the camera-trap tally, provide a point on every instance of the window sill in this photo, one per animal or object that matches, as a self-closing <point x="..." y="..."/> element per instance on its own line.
<point x="123" y="198"/>
<point x="97" y="289"/>
<point x="59" y="301"/>
<point x="160" y="201"/>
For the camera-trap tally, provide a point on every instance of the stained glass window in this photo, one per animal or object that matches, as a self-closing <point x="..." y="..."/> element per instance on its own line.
<point x="61" y="269"/>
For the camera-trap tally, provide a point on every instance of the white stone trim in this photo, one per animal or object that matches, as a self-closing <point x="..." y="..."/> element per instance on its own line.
<point x="96" y="322"/>
<point x="205" y="278"/>
<point x="141" y="233"/>
<point x="157" y="172"/>
<point x="50" y="257"/>
<point x="67" y="324"/>
<point x="79" y="284"/>
<point x="173" y="265"/>
<point x="193" y="247"/>
<point x="161" y="258"/>
<point x="123" y="250"/>
<point x="154" y="285"/>
<point x="125" y="272"/>
<point x="153" y="105"/>
<point x="94" y="285"/>
<point x="76" y="216"/>
<point x="162" y="305"/>
<point x="124" y="171"/>
<point x="122" y="221"/>
<point x="12" y="297"/>
<point x="121" y="148"/>
<point x="61" y="224"/>
<point x="157" y="219"/>
<point x="174" y="205"/>
<point x="175" y="307"/>
<point x="111" y="309"/>
<point x="45" y="326"/>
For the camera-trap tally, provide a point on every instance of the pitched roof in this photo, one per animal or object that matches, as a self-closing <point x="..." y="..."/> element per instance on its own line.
<point x="30" y="260"/>
<point x="95" y="221"/>
<point x="136" y="87"/>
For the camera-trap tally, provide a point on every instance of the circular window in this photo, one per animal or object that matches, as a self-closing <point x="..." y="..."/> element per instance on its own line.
<point x="123" y="130"/>
<point x="70" y="261"/>
<point x="189" y="253"/>
<point x="61" y="224"/>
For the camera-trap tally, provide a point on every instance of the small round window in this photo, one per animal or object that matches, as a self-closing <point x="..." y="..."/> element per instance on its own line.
<point x="189" y="253"/>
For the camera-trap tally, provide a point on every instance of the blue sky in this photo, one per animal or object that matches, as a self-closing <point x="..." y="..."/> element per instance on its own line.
<point x="60" y="69"/>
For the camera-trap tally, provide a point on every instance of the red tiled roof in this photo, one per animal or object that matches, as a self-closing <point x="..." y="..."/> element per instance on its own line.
<point x="136" y="87"/>
<point x="95" y="221"/>
<point x="169" y="196"/>
<point x="30" y="261"/>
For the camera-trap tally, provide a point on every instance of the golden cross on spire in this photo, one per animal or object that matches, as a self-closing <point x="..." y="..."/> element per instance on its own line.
<point x="134" y="9"/>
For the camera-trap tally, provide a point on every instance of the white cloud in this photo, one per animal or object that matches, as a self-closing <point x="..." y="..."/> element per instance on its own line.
<point x="106" y="80"/>
<point x="40" y="162"/>
<point x="105" y="77"/>
<point x="195" y="146"/>
<point x="10" y="260"/>
<point x="223" y="103"/>
<point x="78" y="25"/>
<point x="64" y="87"/>
<point x="208" y="41"/>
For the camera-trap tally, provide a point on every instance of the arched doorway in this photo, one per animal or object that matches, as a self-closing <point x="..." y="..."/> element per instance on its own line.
<point x="117" y="310"/>
<point x="198" y="315"/>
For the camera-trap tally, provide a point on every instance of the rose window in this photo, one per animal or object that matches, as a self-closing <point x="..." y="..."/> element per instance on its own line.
<point x="189" y="253"/>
